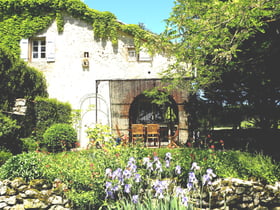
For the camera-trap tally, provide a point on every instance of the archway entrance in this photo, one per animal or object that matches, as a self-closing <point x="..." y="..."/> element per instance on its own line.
<point x="144" y="111"/>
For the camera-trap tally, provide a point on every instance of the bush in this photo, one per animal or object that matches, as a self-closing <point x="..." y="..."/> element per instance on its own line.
<point x="29" y="144"/>
<point x="24" y="165"/>
<point x="4" y="155"/>
<point x="49" y="112"/>
<point x="59" y="137"/>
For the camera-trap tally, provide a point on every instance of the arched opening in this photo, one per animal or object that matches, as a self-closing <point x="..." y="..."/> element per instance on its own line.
<point x="144" y="111"/>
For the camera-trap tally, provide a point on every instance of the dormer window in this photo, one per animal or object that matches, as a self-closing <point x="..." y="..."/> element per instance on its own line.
<point x="39" y="48"/>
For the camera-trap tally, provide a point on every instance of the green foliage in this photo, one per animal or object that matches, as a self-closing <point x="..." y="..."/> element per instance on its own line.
<point x="209" y="35"/>
<point x="21" y="19"/>
<point x="50" y="111"/>
<point x="84" y="171"/>
<point x="29" y="144"/>
<point x="8" y="125"/>
<point x="25" y="165"/>
<point x="4" y="155"/>
<point x="100" y="136"/>
<point x="59" y="137"/>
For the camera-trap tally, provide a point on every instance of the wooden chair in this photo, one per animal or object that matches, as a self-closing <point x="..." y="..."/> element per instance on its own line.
<point x="153" y="135"/>
<point x="173" y="139"/>
<point x="137" y="132"/>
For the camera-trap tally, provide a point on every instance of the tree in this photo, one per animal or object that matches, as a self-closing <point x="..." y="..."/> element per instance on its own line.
<point x="228" y="49"/>
<point x="208" y="35"/>
<point x="17" y="80"/>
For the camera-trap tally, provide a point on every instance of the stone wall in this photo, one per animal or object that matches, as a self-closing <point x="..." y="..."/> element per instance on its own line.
<point x="228" y="194"/>
<point x="234" y="194"/>
<point x="37" y="194"/>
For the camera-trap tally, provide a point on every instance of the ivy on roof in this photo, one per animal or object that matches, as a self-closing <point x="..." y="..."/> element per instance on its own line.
<point x="25" y="18"/>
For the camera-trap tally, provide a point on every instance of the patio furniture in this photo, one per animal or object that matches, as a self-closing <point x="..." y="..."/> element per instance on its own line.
<point x="137" y="132"/>
<point x="152" y="138"/>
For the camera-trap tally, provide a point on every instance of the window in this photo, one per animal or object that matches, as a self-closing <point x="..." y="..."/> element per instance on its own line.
<point x="142" y="56"/>
<point x="39" y="48"/>
<point x="132" y="56"/>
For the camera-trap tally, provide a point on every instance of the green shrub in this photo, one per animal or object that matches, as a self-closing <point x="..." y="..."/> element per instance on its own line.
<point x="29" y="144"/>
<point x="49" y="112"/>
<point x="24" y="165"/>
<point x="4" y="155"/>
<point x="59" y="137"/>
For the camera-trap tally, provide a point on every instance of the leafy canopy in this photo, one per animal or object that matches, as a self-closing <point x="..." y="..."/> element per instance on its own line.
<point x="208" y="35"/>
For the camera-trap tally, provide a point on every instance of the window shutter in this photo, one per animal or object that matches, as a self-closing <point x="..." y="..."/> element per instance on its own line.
<point x="144" y="55"/>
<point x="24" y="49"/>
<point x="50" y="45"/>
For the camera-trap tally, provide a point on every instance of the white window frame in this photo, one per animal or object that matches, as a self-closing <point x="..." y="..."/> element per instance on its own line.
<point x="27" y="49"/>
<point x="41" y="48"/>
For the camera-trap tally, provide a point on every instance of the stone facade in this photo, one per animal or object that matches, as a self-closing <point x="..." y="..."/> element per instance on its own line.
<point x="78" y="68"/>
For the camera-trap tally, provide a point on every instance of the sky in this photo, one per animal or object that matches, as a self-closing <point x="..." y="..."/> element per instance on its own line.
<point x="151" y="13"/>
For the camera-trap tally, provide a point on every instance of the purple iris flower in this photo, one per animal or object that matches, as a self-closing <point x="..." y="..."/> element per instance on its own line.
<point x="168" y="156"/>
<point x="127" y="188"/>
<point x="108" y="172"/>
<point x="150" y="166"/>
<point x="126" y="174"/>
<point x="135" y="199"/>
<point x="108" y="185"/>
<point x="178" y="169"/>
<point x="185" y="201"/>
<point x="167" y="163"/>
<point x="158" y="167"/>
<point x="109" y="194"/>
<point x="137" y="178"/>
<point x="117" y="173"/>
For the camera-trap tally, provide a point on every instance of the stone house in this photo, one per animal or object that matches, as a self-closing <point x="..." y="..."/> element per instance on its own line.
<point x="104" y="81"/>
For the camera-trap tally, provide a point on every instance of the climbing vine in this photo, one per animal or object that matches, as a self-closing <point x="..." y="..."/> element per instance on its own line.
<point x="25" y="18"/>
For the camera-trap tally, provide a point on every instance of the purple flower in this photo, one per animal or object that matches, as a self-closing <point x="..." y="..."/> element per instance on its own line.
<point x="146" y="160"/>
<point x="115" y="188"/>
<point x="133" y="168"/>
<point x="167" y="163"/>
<point x="156" y="159"/>
<point x="108" y="172"/>
<point x="179" y="191"/>
<point x="117" y="173"/>
<point x="126" y="174"/>
<point x="150" y="166"/>
<point x="158" y="167"/>
<point x="127" y="188"/>
<point x="159" y="187"/>
<point x="185" y="201"/>
<point x="168" y="156"/>
<point x="206" y="178"/>
<point x="137" y="178"/>
<point x="195" y="167"/>
<point x="109" y="194"/>
<point x="131" y="162"/>
<point x="178" y="169"/>
<point x="192" y="177"/>
<point x="135" y="199"/>
<point x="108" y="185"/>
<point x="209" y="171"/>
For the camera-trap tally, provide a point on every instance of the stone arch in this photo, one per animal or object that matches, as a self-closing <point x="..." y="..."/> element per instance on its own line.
<point x="144" y="111"/>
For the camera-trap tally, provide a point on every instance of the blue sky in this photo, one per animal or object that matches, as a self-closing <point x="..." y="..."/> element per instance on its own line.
<point x="150" y="12"/>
